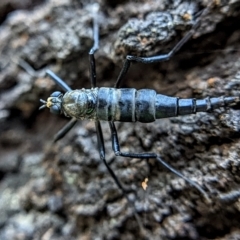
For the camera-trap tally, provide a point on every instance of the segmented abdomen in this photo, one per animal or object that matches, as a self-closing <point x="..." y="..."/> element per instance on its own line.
<point x="130" y="105"/>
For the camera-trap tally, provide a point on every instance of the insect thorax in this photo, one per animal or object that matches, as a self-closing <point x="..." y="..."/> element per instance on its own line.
<point x="80" y="104"/>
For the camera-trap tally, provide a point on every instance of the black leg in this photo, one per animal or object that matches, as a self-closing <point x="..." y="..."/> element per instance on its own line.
<point x="158" y="58"/>
<point x="101" y="150"/>
<point x="117" y="151"/>
<point x="92" y="66"/>
<point x="58" y="81"/>
<point x="62" y="132"/>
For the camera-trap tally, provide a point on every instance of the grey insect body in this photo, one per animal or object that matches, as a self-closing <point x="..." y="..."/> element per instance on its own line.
<point x="80" y="104"/>
<point x="131" y="105"/>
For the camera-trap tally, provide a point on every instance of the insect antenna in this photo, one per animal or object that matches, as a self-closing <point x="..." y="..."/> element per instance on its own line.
<point x="44" y="104"/>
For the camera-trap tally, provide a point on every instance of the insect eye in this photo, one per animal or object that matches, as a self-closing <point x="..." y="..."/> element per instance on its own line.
<point x="56" y="94"/>
<point x="55" y="109"/>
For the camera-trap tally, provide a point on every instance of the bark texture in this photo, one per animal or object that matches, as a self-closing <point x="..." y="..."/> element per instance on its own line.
<point x="63" y="190"/>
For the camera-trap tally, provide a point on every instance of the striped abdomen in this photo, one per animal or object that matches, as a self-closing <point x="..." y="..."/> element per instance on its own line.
<point x="130" y="105"/>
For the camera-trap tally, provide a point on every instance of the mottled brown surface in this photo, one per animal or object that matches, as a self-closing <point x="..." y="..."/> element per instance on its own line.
<point x="62" y="190"/>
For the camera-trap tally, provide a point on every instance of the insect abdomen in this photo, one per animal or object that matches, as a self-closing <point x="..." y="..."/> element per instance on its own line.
<point x="126" y="105"/>
<point x="131" y="105"/>
<point x="116" y="104"/>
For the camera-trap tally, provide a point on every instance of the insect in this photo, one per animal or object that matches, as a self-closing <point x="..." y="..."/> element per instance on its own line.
<point x="125" y="105"/>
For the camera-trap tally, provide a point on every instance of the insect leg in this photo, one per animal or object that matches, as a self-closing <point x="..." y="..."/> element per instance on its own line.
<point x="92" y="66"/>
<point x="101" y="150"/>
<point x="62" y="132"/>
<point x="58" y="81"/>
<point x="158" y="58"/>
<point x="117" y="151"/>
